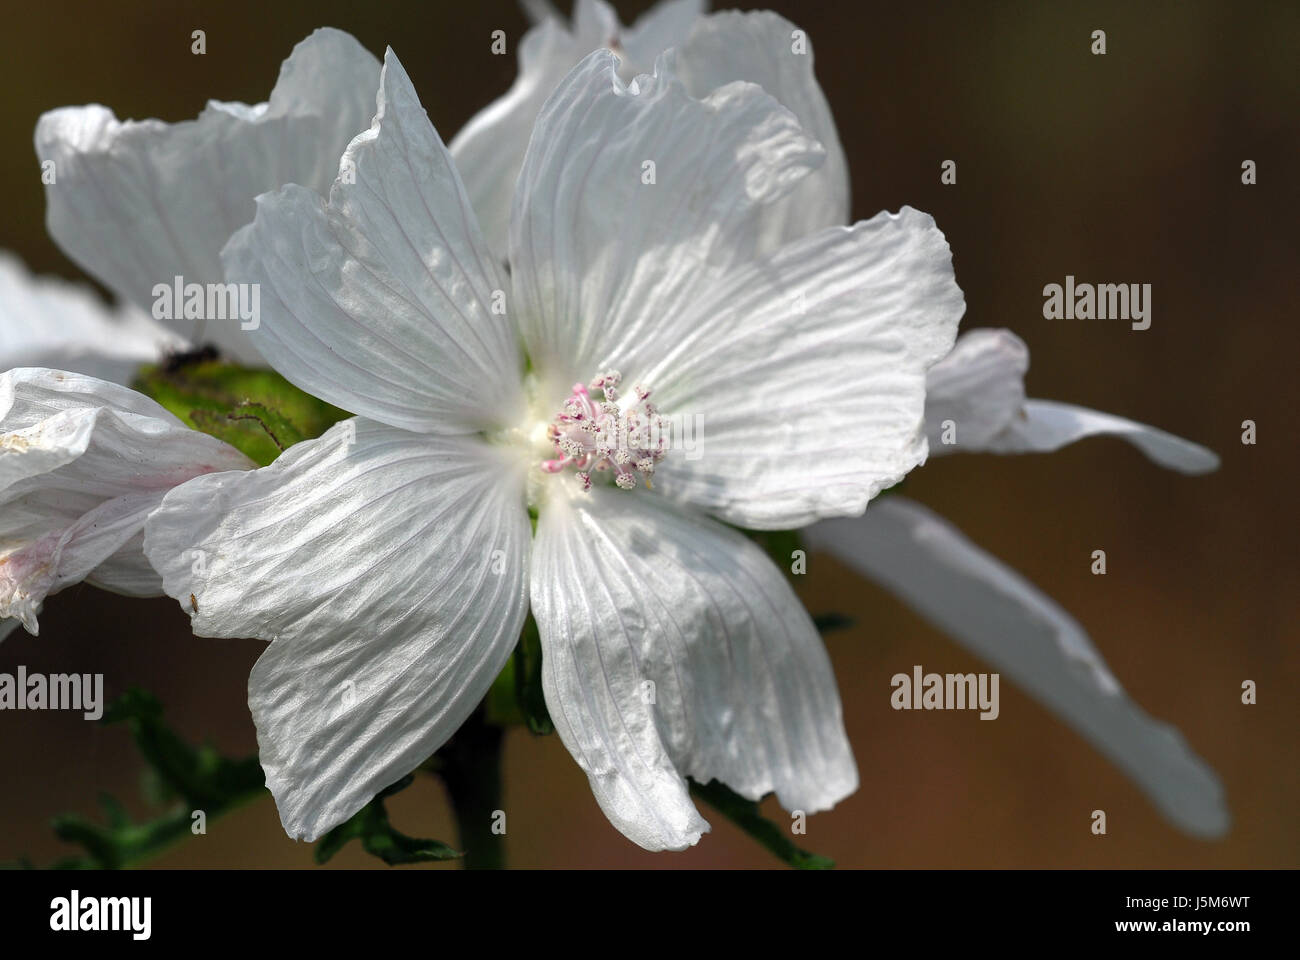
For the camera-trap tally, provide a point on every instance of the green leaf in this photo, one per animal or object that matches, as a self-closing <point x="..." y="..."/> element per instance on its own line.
<point x="379" y="838"/>
<point x="745" y="814"/>
<point x="233" y="426"/>
<point x="199" y="776"/>
<point x="256" y="411"/>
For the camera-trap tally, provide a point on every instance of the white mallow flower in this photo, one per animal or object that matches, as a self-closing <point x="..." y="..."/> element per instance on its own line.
<point x="138" y="203"/>
<point x="976" y="399"/>
<point x="391" y="561"/>
<point x="82" y="463"/>
<point x="759" y="47"/>
<point x="49" y="322"/>
<point x="978" y="389"/>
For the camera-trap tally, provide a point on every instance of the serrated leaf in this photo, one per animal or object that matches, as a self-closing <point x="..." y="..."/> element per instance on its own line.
<point x="203" y="778"/>
<point x="200" y="776"/>
<point x="379" y="838"/>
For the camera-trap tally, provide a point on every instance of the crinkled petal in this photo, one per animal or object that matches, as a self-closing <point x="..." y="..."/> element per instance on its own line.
<point x="606" y="265"/>
<point x="385" y="300"/>
<point x="799" y="382"/>
<point x="974" y="393"/>
<point x="73" y="553"/>
<point x="1005" y="620"/>
<point x="764" y="48"/>
<point x="82" y="463"/>
<point x="389" y="570"/>
<point x="756" y="47"/>
<point x="489" y="149"/>
<point x="672" y="648"/>
<point x="137" y="203"/>
<point x="664" y="25"/>
<point x="979" y="389"/>
<point x="48" y="322"/>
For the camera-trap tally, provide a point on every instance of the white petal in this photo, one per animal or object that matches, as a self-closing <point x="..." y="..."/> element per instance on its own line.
<point x="759" y="47"/>
<point x="595" y="24"/>
<point x="980" y="388"/>
<point x="805" y="372"/>
<point x="381" y="300"/>
<point x="664" y="25"/>
<point x="48" y="322"/>
<point x="1004" y="619"/>
<point x="628" y="591"/>
<point x="390" y="574"/>
<point x="82" y="462"/>
<point x="489" y="149"/>
<point x="1047" y="426"/>
<point x="539" y="11"/>
<point x="138" y="203"/>
<point x="71" y="553"/>
<point x="605" y="266"/>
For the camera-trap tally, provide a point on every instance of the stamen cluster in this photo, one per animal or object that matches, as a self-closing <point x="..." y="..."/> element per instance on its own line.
<point x="625" y="436"/>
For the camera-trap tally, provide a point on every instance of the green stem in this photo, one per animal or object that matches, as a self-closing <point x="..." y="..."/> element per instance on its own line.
<point x="471" y="769"/>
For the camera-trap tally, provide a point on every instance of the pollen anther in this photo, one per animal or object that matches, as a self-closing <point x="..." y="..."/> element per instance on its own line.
<point x="626" y="437"/>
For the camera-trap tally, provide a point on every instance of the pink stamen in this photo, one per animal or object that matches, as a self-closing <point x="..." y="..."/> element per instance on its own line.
<point x="604" y="436"/>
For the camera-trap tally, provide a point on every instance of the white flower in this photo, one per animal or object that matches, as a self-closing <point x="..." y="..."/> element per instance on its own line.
<point x="979" y="387"/>
<point x="82" y="463"/>
<point x="757" y="47"/>
<point x="137" y="203"/>
<point x="390" y="561"/>
<point x="48" y="322"/>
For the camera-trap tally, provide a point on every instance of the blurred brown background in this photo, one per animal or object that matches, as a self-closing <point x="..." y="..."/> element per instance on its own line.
<point x="1122" y="168"/>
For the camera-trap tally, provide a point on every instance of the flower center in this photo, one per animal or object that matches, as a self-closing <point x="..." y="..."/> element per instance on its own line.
<point x="616" y="435"/>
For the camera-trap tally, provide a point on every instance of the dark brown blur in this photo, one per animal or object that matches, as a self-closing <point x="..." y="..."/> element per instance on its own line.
<point x="1117" y="168"/>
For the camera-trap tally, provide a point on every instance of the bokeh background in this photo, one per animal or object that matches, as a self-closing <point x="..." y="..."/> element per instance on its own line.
<point x="1117" y="168"/>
